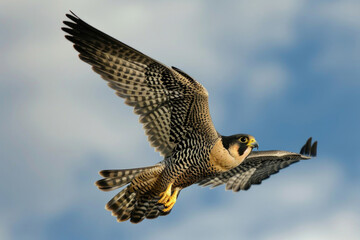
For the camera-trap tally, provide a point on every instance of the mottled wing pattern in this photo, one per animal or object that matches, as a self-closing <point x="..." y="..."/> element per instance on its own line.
<point x="259" y="166"/>
<point x="170" y="103"/>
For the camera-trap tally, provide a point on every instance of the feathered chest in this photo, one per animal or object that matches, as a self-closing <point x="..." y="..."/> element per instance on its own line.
<point x="222" y="159"/>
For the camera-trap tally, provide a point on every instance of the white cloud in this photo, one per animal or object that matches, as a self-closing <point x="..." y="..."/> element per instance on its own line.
<point x="343" y="13"/>
<point x="266" y="81"/>
<point x="4" y="232"/>
<point x="338" y="55"/>
<point x="256" y="25"/>
<point x="340" y="224"/>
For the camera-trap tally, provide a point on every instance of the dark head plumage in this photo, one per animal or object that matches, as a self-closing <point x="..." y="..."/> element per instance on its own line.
<point x="239" y="143"/>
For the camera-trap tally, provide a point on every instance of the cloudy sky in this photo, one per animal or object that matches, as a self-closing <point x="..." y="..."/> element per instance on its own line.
<point x="280" y="70"/>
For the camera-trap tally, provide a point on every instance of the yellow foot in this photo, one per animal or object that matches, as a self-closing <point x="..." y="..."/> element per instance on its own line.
<point x="167" y="198"/>
<point x="172" y="200"/>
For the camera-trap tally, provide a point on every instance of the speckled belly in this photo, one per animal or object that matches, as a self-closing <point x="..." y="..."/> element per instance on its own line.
<point x="193" y="174"/>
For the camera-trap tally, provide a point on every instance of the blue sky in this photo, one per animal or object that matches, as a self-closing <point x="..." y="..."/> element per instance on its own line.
<point x="279" y="70"/>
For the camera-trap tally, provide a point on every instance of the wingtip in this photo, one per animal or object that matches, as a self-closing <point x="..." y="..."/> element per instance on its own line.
<point x="72" y="14"/>
<point x="309" y="150"/>
<point x="73" y="17"/>
<point x="302" y="150"/>
<point x="314" y="149"/>
<point x="308" y="146"/>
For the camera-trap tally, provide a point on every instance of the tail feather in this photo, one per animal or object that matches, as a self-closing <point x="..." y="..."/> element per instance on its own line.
<point x="109" y="184"/>
<point x="120" y="200"/>
<point x="147" y="207"/>
<point x="138" y="214"/>
<point x="122" y="172"/>
<point x="117" y="178"/>
<point x="124" y="213"/>
<point x="136" y="201"/>
<point x="155" y="209"/>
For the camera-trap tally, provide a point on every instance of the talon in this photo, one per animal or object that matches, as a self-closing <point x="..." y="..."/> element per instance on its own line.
<point x="165" y="195"/>
<point x="168" y="208"/>
<point x="168" y="199"/>
<point x="171" y="201"/>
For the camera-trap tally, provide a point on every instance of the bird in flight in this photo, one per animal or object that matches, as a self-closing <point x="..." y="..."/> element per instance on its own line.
<point x="174" y="111"/>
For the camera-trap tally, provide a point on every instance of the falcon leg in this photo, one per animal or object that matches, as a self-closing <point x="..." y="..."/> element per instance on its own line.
<point x="172" y="200"/>
<point x="167" y="198"/>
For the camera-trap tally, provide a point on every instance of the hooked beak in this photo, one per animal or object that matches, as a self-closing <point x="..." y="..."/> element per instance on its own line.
<point x="253" y="143"/>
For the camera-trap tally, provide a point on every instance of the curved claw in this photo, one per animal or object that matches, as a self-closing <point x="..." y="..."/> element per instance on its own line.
<point x="165" y="196"/>
<point x="168" y="198"/>
<point x="171" y="201"/>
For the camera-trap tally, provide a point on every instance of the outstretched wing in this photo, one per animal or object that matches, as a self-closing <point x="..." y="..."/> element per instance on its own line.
<point x="170" y="103"/>
<point x="259" y="166"/>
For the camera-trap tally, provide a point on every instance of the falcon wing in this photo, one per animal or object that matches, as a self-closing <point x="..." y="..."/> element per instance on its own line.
<point x="259" y="166"/>
<point x="170" y="103"/>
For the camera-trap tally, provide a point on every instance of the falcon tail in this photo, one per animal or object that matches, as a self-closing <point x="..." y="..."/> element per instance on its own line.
<point x="117" y="178"/>
<point x="135" y="201"/>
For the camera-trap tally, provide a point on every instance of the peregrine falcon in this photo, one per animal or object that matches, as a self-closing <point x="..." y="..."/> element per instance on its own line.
<point x="173" y="109"/>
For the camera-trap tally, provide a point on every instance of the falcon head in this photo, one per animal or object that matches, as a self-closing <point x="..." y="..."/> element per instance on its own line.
<point x="239" y="145"/>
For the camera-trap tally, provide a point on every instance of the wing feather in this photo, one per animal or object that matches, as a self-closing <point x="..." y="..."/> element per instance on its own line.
<point x="170" y="103"/>
<point x="259" y="166"/>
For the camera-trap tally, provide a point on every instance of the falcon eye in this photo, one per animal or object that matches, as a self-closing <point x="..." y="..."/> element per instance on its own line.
<point x="243" y="139"/>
